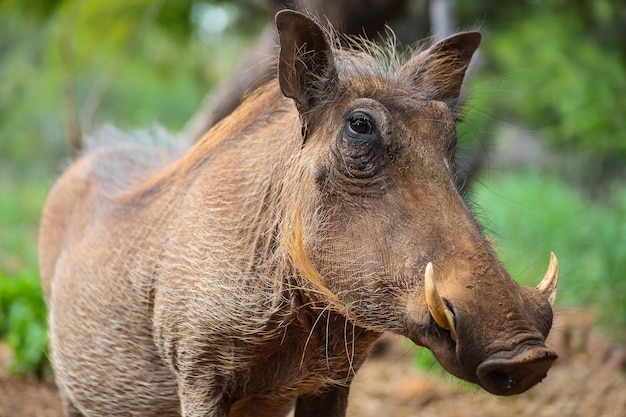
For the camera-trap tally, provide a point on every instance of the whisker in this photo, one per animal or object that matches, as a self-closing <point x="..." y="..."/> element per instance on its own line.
<point x="349" y="352"/>
<point x="310" y="335"/>
<point x="326" y="341"/>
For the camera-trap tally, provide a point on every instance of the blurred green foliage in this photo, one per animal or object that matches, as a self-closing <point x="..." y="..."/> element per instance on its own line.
<point x="564" y="85"/>
<point x="56" y="62"/>
<point x="23" y="324"/>
<point x="554" y="66"/>
<point x="22" y="308"/>
<point x="559" y="68"/>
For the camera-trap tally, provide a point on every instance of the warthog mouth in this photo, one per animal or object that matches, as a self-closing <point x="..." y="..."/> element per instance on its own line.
<point x="510" y="376"/>
<point x="503" y="373"/>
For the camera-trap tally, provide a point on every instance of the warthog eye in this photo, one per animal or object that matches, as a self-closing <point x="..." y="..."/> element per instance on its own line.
<point x="359" y="124"/>
<point x="360" y="144"/>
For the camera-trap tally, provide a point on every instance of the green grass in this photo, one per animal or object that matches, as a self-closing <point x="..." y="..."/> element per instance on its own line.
<point x="22" y="309"/>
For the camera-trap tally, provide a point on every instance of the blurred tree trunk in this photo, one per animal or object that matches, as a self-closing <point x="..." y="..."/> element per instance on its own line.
<point x="469" y="162"/>
<point x="441" y="19"/>
<point x="73" y="132"/>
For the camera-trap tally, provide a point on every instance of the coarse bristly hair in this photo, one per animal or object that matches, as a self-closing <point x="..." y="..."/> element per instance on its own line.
<point x="134" y="154"/>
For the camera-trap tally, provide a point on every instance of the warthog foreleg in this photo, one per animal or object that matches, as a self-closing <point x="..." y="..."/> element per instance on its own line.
<point x="331" y="403"/>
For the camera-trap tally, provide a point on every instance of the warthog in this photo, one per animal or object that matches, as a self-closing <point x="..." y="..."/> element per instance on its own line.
<point x="252" y="274"/>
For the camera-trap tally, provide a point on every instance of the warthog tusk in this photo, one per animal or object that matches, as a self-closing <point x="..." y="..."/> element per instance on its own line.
<point x="438" y="309"/>
<point x="547" y="286"/>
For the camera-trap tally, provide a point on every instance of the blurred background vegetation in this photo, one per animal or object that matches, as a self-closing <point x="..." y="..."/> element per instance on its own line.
<point x="546" y="106"/>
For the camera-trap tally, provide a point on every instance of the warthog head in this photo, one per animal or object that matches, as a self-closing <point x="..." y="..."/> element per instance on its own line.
<point x="381" y="232"/>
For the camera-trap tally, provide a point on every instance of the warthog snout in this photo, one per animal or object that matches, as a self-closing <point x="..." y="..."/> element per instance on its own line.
<point x="510" y="376"/>
<point x="501" y="345"/>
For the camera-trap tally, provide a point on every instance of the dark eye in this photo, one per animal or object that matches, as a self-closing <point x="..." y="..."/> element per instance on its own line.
<point x="359" y="124"/>
<point x="360" y="145"/>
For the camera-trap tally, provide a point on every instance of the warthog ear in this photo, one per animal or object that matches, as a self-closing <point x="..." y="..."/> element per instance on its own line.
<point x="305" y="62"/>
<point x="439" y="70"/>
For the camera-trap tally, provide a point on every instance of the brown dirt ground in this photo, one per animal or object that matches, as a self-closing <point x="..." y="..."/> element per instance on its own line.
<point x="588" y="380"/>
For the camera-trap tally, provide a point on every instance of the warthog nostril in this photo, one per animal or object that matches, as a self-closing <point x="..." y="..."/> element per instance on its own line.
<point x="517" y="374"/>
<point x="500" y="379"/>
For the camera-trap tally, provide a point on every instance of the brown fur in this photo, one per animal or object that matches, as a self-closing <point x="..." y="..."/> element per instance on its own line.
<point x="252" y="274"/>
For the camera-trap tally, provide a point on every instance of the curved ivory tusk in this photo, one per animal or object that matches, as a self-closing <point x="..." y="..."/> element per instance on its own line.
<point x="547" y="286"/>
<point x="438" y="309"/>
